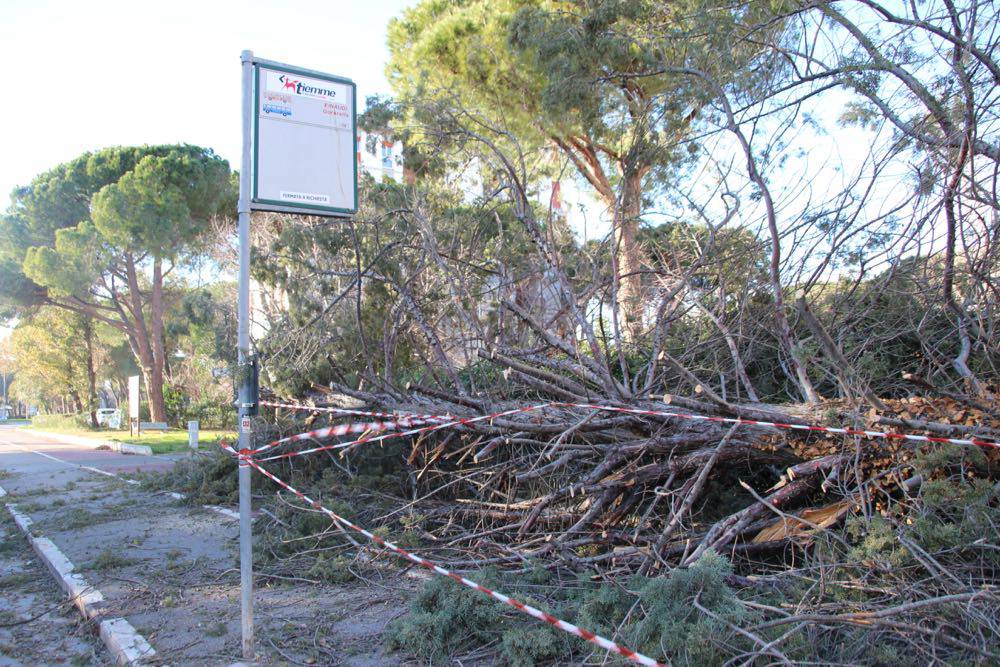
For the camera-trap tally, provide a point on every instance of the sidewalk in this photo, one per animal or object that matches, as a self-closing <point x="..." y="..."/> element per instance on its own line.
<point x="26" y="590"/>
<point x="170" y="571"/>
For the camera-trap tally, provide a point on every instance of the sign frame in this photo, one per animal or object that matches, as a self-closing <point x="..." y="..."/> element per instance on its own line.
<point x="259" y="204"/>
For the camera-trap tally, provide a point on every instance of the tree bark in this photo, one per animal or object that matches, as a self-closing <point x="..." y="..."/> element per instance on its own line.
<point x="154" y="387"/>
<point x="627" y="259"/>
<point x="626" y="210"/>
<point x="77" y="402"/>
<point x="88" y="337"/>
<point x="144" y="343"/>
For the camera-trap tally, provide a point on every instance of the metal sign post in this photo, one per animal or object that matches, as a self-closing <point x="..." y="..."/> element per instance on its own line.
<point x="243" y="345"/>
<point x="299" y="156"/>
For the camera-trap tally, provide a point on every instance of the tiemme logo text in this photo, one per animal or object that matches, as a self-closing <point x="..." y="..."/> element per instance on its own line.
<point x="299" y="88"/>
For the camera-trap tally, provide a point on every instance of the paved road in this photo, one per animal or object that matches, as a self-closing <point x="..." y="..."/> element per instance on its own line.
<point x="168" y="568"/>
<point x="31" y="459"/>
<point x="28" y="463"/>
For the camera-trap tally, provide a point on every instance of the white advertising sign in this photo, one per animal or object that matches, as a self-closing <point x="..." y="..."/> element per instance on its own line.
<point x="133" y="396"/>
<point x="305" y="142"/>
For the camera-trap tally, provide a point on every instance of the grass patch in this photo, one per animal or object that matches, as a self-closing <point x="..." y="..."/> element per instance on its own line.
<point x="79" y="517"/>
<point x="176" y="440"/>
<point x="60" y="422"/>
<point x="30" y="507"/>
<point x="217" y="629"/>
<point x="161" y="442"/>
<point x="109" y="560"/>
<point x="12" y="580"/>
<point x="9" y="545"/>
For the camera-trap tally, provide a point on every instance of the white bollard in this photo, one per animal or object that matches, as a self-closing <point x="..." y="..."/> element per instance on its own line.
<point x="193" y="435"/>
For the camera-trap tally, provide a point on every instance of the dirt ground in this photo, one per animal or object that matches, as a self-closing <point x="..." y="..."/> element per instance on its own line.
<point x="171" y="571"/>
<point x="59" y="637"/>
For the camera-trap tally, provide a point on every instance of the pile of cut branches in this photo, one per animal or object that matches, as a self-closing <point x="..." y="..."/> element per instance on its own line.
<point x="620" y="493"/>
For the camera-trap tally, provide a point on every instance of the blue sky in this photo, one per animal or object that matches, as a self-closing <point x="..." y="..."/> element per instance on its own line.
<point x="110" y="72"/>
<point x="84" y="75"/>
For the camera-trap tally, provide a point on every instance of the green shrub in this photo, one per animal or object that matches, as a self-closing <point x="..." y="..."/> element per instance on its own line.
<point x="955" y="516"/>
<point x="875" y="542"/>
<point x="210" y="414"/>
<point x="61" y="422"/>
<point x="655" y="616"/>
<point x="670" y="622"/>
<point x="176" y="404"/>
<point x="445" y="618"/>
<point x="208" y="479"/>
<point x="526" y="647"/>
<point x="336" y="570"/>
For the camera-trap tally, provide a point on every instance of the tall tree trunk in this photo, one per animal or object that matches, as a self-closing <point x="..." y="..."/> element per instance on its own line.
<point x="626" y="207"/>
<point x="960" y="362"/>
<point x="77" y="402"/>
<point x="144" y="343"/>
<point x="157" y="406"/>
<point x="627" y="257"/>
<point x="88" y="337"/>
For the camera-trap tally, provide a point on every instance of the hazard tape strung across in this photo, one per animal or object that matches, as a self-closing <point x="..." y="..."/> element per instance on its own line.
<point x="888" y="435"/>
<point x="401" y="434"/>
<point x="435" y="422"/>
<point x="345" y="429"/>
<point x="344" y="411"/>
<point x="565" y="626"/>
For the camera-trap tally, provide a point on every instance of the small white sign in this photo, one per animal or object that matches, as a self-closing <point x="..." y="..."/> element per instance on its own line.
<point x="305" y="197"/>
<point x="244" y="424"/>
<point x="133" y="397"/>
<point x="193" y="434"/>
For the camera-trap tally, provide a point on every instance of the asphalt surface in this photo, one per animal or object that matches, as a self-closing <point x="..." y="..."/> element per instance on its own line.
<point x="169" y="569"/>
<point x="34" y="460"/>
<point x="30" y="463"/>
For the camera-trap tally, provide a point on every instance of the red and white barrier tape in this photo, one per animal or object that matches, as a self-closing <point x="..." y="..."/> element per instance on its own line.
<point x="345" y="411"/>
<point x="344" y="429"/>
<point x="565" y="626"/>
<point x="424" y="429"/>
<point x="888" y="435"/>
<point x="798" y="427"/>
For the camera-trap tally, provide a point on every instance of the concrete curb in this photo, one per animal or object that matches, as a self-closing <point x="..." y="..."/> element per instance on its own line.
<point x="224" y="511"/>
<point x="113" y="445"/>
<point x="125" y="644"/>
<point x="129" y="448"/>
